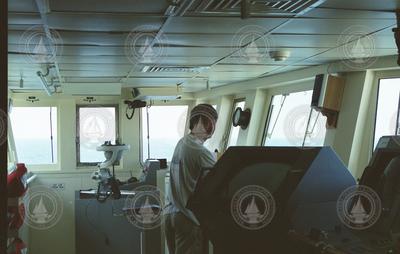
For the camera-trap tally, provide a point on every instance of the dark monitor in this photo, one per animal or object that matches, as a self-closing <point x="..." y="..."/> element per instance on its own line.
<point x="297" y="178"/>
<point x="374" y="171"/>
<point x="383" y="175"/>
<point x="388" y="147"/>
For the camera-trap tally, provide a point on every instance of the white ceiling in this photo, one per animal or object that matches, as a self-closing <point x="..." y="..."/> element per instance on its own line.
<point x="94" y="34"/>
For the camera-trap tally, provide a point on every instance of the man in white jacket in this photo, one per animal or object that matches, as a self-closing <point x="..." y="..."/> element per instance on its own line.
<point x="188" y="164"/>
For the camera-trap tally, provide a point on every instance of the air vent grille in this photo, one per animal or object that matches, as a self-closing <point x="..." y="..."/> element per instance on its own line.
<point x="257" y="8"/>
<point x="190" y="69"/>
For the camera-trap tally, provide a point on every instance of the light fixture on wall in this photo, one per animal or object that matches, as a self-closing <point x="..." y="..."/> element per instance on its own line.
<point x="49" y="88"/>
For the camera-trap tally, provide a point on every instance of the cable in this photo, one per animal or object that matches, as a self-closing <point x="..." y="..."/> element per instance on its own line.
<point x="129" y="116"/>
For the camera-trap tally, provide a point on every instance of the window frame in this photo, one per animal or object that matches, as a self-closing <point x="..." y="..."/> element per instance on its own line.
<point x="48" y="166"/>
<point x="229" y="130"/>
<point x="376" y="97"/>
<point x="142" y="159"/>
<point x="267" y="121"/>
<point x="80" y="164"/>
<point x="303" y="86"/>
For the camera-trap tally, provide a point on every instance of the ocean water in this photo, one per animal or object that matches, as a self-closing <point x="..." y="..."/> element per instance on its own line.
<point x="38" y="151"/>
<point x="35" y="151"/>
<point x="159" y="148"/>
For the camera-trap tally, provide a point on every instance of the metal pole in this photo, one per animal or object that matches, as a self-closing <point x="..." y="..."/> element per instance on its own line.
<point x="148" y="133"/>
<point x="51" y="136"/>
<point x="396" y="132"/>
<point x="308" y="124"/>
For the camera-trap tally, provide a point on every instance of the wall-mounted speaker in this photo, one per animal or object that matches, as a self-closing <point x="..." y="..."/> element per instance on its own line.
<point x="327" y="96"/>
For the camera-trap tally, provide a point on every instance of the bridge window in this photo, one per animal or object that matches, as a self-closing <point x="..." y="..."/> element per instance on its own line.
<point x="162" y="127"/>
<point x="387" y="120"/>
<point x="95" y="125"/>
<point x="292" y="122"/>
<point x="35" y="134"/>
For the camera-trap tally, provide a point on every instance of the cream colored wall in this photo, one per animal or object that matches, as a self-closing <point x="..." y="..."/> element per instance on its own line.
<point x="352" y="139"/>
<point x="62" y="235"/>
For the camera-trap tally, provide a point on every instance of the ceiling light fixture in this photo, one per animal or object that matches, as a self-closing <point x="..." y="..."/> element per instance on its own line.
<point x="279" y="55"/>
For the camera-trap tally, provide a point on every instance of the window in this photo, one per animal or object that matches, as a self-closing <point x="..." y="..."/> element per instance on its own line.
<point x="387" y="108"/>
<point x="95" y="125"/>
<point x="162" y="127"/>
<point x="35" y="134"/>
<point x="292" y="121"/>
<point x="234" y="131"/>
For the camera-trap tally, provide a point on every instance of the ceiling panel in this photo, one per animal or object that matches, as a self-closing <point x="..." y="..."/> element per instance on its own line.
<point x="22" y="6"/>
<point x="91" y="79"/>
<point x="163" y="74"/>
<point x="103" y="22"/>
<point x="240" y="68"/>
<point x="229" y="75"/>
<point x="152" y="82"/>
<point x="217" y="25"/>
<point x="382" y="5"/>
<point x="24" y="19"/>
<point x="121" y="51"/>
<point x="94" y="35"/>
<point x="94" y="67"/>
<point x="200" y="39"/>
<point x="332" y="26"/>
<point x="100" y="73"/>
<point x="137" y="6"/>
<point x="190" y="61"/>
<point x="325" y="41"/>
<point x="294" y="52"/>
<point x="339" y="53"/>
<point x="347" y="14"/>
